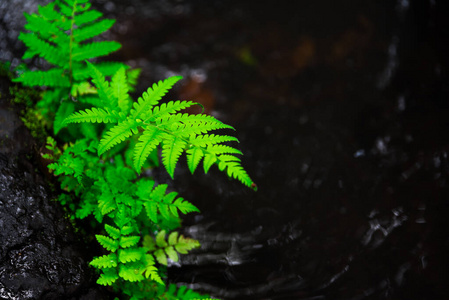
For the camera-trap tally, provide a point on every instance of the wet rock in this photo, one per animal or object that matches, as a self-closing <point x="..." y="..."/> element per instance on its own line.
<point x="40" y="256"/>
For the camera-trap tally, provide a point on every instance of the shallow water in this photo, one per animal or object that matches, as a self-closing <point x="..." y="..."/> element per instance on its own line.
<point x="341" y="110"/>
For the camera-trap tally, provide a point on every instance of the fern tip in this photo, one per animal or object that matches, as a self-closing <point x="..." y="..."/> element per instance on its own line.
<point x="253" y="186"/>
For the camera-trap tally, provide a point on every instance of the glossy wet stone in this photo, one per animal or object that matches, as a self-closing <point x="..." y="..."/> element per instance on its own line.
<point x="40" y="255"/>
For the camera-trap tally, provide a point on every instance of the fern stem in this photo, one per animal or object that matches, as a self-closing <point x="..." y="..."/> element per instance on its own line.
<point x="72" y="24"/>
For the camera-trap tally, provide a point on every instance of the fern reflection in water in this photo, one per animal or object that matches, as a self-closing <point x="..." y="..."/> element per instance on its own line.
<point x="99" y="164"/>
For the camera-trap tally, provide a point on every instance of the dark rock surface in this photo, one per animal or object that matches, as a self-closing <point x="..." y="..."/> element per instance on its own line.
<point x="40" y="256"/>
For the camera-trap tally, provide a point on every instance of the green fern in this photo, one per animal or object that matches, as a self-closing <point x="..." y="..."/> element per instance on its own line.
<point x="163" y="249"/>
<point x="109" y="186"/>
<point x="183" y="293"/>
<point x="129" y="264"/>
<point x="158" y="204"/>
<point x="160" y="124"/>
<point x="149" y="290"/>
<point x="126" y="260"/>
<point x="99" y="166"/>
<point x="60" y="34"/>
<point x="107" y="191"/>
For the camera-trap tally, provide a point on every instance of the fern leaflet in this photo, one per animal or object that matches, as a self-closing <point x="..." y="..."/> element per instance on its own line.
<point x="117" y="134"/>
<point x="93" y="115"/>
<point x="163" y="249"/>
<point x="152" y="96"/>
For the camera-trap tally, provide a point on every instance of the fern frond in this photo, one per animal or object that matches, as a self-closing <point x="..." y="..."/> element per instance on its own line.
<point x="183" y="206"/>
<point x="183" y="293"/>
<point x="117" y="134"/>
<point x="105" y="261"/>
<point x="43" y="26"/>
<point x="186" y="125"/>
<point x="161" y="257"/>
<point x="107" y="243"/>
<point x="194" y="157"/>
<point x="222" y="149"/>
<point x="94" y="49"/>
<point x="52" y="147"/>
<point x="106" y="202"/>
<point x="87" y="17"/>
<point x="160" y="239"/>
<point x="98" y="215"/>
<point x="165" y="207"/>
<point x="119" y="178"/>
<point x="162" y="124"/>
<point x="197" y="145"/>
<point x="122" y="219"/>
<point x="108" y="277"/>
<point x="144" y="188"/>
<point x="112" y="231"/>
<point x="131" y="272"/>
<point x="151" y="270"/>
<point x="104" y="90"/>
<point x="149" y="243"/>
<point x="167" y="108"/>
<point x="68" y="165"/>
<point x="163" y="249"/>
<point x="172" y="148"/>
<point x="84" y="210"/>
<point x="88" y="204"/>
<point x="106" y="185"/>
<point x="147" y="142"/>
<point x="210" y="139"/>
<point x="152" y="96"/>
<point x="93" y="115"/>
<point x="157" y="200"/>
<point x="151" y="210"/>
<point x="171" y="253"/>
<point x="44" y="49"/>
<point x="120" y="91"/>
<point x="209" y="160"/>
<point x="128" y="241"/>
<point x="67" y="8"/>
<point x="127" y="230"/>
<point x="184" y="245"/>
<point x="48" y="12"/>
<point x="83" y="88"/>
<point x="132" y="76"/>
<point x="86" y="32"/>
<point x="130" y="255"/>
<point x="235" y="170"/>
<point x="51" y="78"/>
